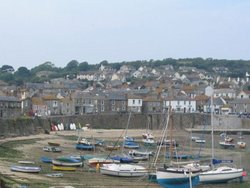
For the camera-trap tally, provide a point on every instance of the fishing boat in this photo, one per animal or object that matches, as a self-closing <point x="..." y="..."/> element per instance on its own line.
<point x="46" y="159"/>
<point x="123" y="170"/>
<point x="28" y="169"/>
<point x="63" y="168"/>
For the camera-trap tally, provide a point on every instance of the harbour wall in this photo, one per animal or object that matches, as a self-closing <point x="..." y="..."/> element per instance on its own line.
<point x="29" y="126"/>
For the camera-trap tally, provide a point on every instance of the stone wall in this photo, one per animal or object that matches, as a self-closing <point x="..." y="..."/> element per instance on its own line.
<point x="22" y="127"/>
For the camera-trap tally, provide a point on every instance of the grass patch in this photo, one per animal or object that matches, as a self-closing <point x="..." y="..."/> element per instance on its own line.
<point x="7" y="149"/>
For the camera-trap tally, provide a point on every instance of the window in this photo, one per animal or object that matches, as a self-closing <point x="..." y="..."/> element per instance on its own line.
<point x="113" y="108"/>
<point x="102" y="108"/>
<point x="184" y="102"/>
<point x="139" y="101"/>
<point x="102" y="102"/>
<point x="113" y="102"/>
<point x="133" y="101"/>
<point x="189" y="102"/>
<point x="123" y="103"/>
<point x="89" y="101"/>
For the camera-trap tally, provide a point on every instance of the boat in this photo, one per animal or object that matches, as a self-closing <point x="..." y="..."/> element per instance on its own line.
<point x="148" y="141"/>
<point x="63" y="168"/>
<point x="26" y="162"/>
<point x="177" y="176"/>
<point x="97" y="160"/>
<point x="28" y="169"/>
<point x="54" y="175"/>
<point x="112" y="147"/>
<point x="176" y="155"/>
<point x="123" y="159"/>
<point x="53" y="144"/>
<point x="200" y="141"/>
<point x="227" y="145"/>
<point x="52" y="149"/>
<point x="222" y="173"/>
<point x="123" y="170"/>
<point x="46" y="159"/>
<point x="174" y="176"/>
<point x="66" y="161"/>
<point x="131" y="145"/>
<point x="81" y="146"/>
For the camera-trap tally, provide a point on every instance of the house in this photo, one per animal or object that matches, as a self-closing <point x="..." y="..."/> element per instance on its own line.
<point x="117" y="102"/>
<point x="152" y="104"/>
<point x="240" y="105"/>
<point x="218" y="104"/>
<point x="225" y="93"/>
<point x="10" y="107"/>
<point x="201" y="100"/>
<point x="38" y="107"/>
<point x="182" y="104"/>
<point x="67" y="107"/>
<point x="134" y="103"/>
<point x="243" y="94"/>
<point x="53" y="104"/>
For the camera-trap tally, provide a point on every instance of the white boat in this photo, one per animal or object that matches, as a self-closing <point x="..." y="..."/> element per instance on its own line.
<point x="29" y="169"/>
<point x="200" y="141"/>
<point x="176" y="175"/>
<point x="226" y="145"/>
<point x="221" y="174"/>
<point x="123" y="170"/>
<point x="148" y="141"/>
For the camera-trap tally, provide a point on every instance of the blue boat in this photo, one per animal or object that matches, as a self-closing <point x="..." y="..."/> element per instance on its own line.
<point x="123" y="159"/>
<point x="46" y="159"/>
<point x="84" y="147"/>
<point x="131" y="145"/>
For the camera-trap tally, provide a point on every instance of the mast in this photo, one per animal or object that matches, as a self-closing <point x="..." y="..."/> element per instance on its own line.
<point x="212" y="127"/>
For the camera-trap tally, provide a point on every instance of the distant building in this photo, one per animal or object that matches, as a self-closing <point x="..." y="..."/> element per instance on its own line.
<point x="10" y="107"/>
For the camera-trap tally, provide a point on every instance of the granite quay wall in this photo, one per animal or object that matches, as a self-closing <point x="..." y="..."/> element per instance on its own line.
<point x="26" y="126"/>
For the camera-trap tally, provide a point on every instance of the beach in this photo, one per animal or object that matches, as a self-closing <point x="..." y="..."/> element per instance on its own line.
<point x="31" y="148"/>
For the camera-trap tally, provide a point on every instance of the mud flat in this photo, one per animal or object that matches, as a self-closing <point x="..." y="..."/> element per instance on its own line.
<point x="30" y="148"/>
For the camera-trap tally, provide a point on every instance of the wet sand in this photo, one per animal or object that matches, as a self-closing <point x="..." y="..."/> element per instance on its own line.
<point x="88" y="177"/>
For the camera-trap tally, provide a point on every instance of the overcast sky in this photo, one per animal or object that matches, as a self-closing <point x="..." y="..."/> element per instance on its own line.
<point x="35" y="31"/>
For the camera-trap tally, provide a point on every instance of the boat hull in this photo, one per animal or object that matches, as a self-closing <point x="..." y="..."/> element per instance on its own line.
<point x="220" y="176"/>
<point x="176" y="178"/>
<point x="124" y="171"/>
<point x="62" y="163"/>
<point x="28" y="169"/>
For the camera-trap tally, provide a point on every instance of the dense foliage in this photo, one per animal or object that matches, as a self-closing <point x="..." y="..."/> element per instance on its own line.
<point x="236" y="68"/>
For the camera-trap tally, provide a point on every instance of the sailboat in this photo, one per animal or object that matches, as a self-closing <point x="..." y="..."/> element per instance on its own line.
<point x="176" y="176"/>
<point x="221" y="174"/>
<point x="148" y="137"/>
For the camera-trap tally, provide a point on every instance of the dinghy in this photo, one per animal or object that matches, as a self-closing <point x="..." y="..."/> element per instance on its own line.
<point x="28" y="169"/>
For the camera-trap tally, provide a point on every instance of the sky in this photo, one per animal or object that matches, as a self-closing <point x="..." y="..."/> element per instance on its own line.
<point x="33" y="32"/>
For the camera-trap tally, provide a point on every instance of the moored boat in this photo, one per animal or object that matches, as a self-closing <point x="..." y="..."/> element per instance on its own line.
<point x="221" y="174"/>
<point x="123" y="170"/>
<point x="28" y="169"/>
<point x="66" y="161"/>
<point x="63" y="168"/>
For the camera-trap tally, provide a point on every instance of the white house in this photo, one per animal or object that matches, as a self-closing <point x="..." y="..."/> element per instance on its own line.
<point x="134" y="104"/>
<point x="181" y="104"/>
<point x="243" y="95"/>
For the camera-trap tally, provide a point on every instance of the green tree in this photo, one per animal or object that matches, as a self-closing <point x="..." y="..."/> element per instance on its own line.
<point x="72" y="66"/>
<point x="84" y="66"/>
